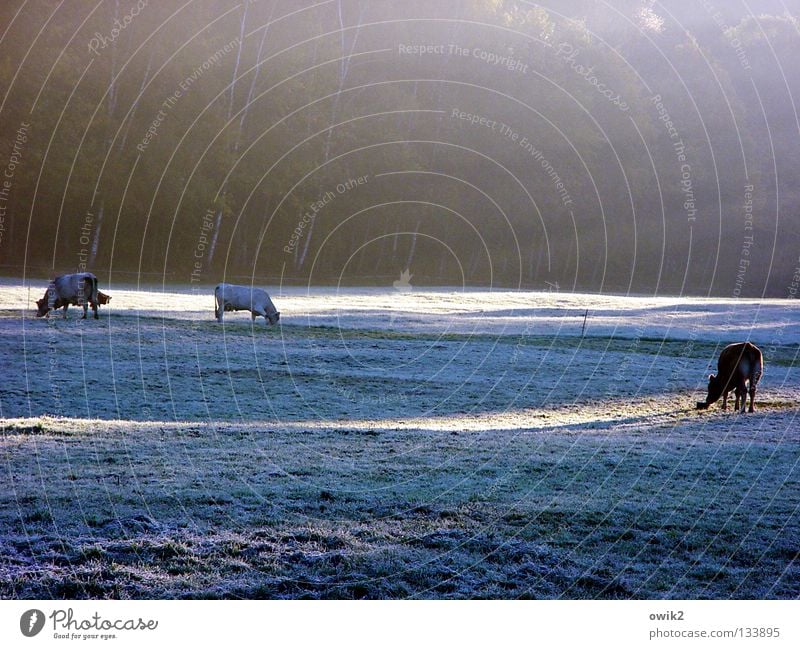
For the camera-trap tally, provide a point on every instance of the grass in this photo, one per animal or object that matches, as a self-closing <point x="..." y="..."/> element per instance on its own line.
<point x="310" y="462"/>
<point x="243" y="512"/>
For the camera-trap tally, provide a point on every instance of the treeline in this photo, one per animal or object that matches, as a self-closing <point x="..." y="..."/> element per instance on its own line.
<point x="566" y="144"/>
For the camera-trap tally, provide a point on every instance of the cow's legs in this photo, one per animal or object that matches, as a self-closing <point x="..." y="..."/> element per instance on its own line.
<point x="94" y="309"/>
<point x="66" y="306"/>
<point x="752" y="395"/>
<point x="724" y="400"/>
<point x="744" y="398"/>
<point x="741" y="390"/>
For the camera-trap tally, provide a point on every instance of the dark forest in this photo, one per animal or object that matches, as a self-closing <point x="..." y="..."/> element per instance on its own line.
<point x="591" y="146"/>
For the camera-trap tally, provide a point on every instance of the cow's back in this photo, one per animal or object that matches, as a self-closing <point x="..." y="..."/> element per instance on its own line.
<point x="76" y="286"/>
<point x="232" y="294"/>
<point x="743" y="358"/>
<point x="756" y="358"/>
<point x="243" y="296"/>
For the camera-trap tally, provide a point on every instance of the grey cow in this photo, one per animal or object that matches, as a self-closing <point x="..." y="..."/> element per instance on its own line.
<point x="77" y="288"/>
<point x="231" y="297"/>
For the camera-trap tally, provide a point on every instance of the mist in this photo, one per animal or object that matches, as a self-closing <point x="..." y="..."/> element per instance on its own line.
<point x="620" y="147"/>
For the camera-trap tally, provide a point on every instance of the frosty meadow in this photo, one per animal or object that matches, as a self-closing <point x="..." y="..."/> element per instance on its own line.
<point x="381" y="443"/>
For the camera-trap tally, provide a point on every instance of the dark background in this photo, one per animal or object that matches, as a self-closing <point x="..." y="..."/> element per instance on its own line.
<point x="319" y="93"/>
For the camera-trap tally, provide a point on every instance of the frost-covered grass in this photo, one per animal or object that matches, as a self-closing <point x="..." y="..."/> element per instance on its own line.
<point x="699" y="505"/>
<point x="470" y="311"/>
<point x="430" y="449"/>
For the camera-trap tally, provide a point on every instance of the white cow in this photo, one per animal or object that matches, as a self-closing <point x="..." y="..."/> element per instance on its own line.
<point x="230" y="297"/>
<point x="78" y="288"/>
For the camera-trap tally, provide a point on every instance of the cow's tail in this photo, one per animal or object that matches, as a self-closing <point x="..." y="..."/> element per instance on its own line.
<point x="758" y="370"/>
<point x="93" y="281"/>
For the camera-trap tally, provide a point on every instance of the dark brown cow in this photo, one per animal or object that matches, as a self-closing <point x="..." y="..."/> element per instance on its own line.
<point x="739" y="368"/>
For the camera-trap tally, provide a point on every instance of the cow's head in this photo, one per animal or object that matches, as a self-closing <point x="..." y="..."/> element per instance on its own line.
<point x="273" y="319"/>
<point x="715" y="386"/>
<point x="43" y="307"/>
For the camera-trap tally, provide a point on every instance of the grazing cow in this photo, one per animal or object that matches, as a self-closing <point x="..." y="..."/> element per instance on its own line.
<point x="78" y="288"/>
<point x="230" y="297"/>
<point x="739" y="368"/>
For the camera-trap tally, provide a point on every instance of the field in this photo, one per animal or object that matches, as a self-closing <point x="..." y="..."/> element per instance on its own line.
<point x="378" y="444"/>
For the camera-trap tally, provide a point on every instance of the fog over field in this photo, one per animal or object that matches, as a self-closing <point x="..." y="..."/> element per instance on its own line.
<point x="593" y="145"/>
<point x="508" y="241"/>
